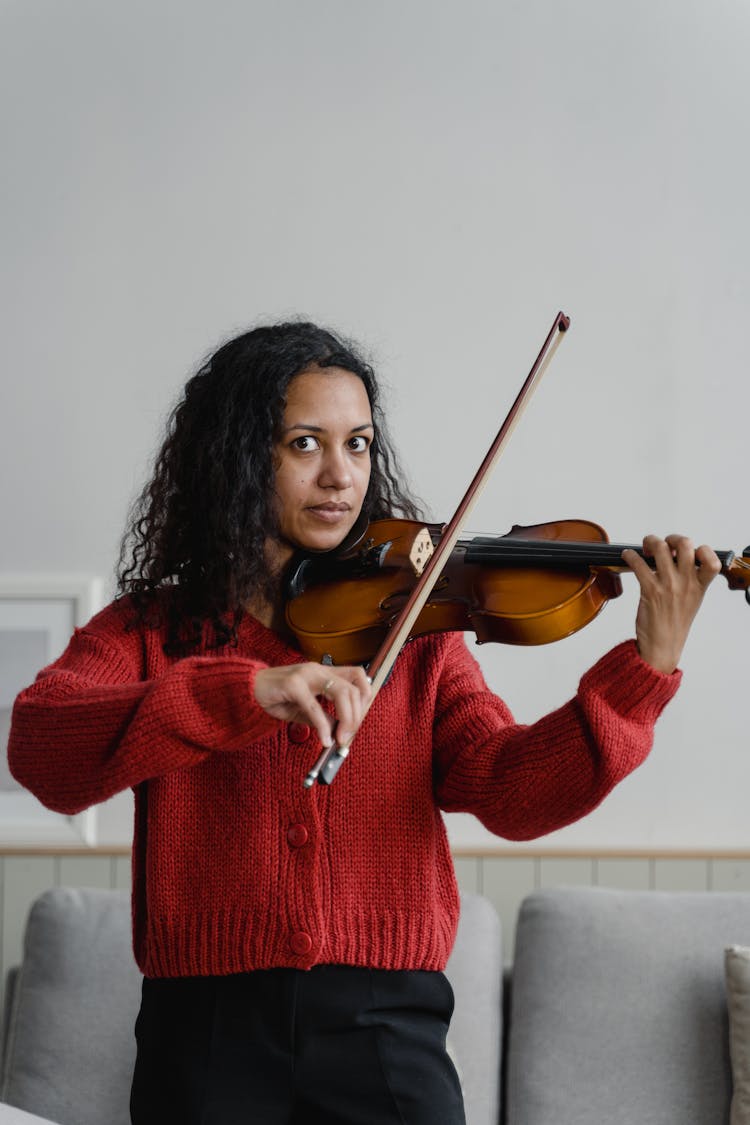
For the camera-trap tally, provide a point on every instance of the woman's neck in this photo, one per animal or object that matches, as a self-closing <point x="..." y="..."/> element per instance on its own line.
<point x="270" y="614"/>
<point x="270" y="607"/>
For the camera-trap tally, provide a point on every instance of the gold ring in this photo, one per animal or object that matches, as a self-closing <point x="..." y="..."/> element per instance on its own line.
<point x="327" y="686"/>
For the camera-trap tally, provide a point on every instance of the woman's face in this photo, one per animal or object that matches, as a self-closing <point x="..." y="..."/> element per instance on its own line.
<point x="322" y="461"/>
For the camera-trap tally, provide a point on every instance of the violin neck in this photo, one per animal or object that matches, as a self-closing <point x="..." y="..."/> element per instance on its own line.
<point x="567" y="555"/>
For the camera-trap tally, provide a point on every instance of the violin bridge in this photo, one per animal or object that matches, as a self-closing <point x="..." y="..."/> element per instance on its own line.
<point x="421" y="550"/>
<point x="407" y="549"/>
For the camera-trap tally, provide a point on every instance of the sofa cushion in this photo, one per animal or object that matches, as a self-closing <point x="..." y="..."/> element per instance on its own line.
<point x="737" y="971"/>
<point x="70" y="1050"/>
<point x="618" y="1007"/>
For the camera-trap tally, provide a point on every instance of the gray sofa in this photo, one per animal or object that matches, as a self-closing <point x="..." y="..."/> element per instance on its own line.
<point x="614" y="1013"/>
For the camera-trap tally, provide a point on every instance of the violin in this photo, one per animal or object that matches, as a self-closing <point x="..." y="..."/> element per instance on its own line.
<point x="532" y="586"/>
<point x="403" y="578"/>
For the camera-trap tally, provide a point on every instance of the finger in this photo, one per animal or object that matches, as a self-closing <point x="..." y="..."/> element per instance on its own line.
<point x="325" y="690"/>
<point x="709" y="564"/>
<point x="361" y="688"/>
<point x="361" y="684"/>
<point x="348" y="715"/>
<point x="353" y="675"/>
<point x="350" y="693"/>
<point x="683" y="551"/>
<point x="650" y="543"/>
<point x="664" y="552"/>
<point x="634" y="560"/>
<point x="319" y="720"/>
<point x="638" y="565"/>
<point x="302" y="696"/>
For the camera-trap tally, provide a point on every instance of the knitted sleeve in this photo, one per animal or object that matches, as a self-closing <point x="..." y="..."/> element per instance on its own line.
<point x="525" y="781"/>
<point x="93" y="723"/>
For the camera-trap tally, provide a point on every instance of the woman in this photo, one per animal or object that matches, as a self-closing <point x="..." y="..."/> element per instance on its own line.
<point x="293" y="939"/>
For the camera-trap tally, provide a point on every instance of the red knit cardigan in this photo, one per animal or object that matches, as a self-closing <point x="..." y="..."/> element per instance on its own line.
<point x="236" y="866"/>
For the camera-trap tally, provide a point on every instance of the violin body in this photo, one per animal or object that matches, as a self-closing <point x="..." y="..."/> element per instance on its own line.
<point x="340" y="611"/>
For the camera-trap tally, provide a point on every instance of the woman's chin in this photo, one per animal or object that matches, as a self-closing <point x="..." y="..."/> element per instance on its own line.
<point x="321" y="543"/>
<point x="320" y="535"/>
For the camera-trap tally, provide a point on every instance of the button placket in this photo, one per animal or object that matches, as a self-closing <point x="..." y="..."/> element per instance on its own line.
<point x="300" y="831"/>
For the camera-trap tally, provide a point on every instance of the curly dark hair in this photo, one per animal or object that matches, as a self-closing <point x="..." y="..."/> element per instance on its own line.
<point x="199" y="526"/>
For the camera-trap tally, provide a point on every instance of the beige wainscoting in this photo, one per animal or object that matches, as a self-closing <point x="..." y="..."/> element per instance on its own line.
<point x="505" y="877"/>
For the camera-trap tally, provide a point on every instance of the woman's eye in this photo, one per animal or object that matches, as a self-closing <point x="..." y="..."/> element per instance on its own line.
<point x="305" y="443"/>
<point x="359" y="444"/>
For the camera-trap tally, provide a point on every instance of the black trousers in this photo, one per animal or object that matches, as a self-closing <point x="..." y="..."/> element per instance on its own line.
<point x="330" y="1046"/>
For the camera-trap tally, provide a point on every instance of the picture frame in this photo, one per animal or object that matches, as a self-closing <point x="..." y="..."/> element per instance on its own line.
<point x="38" y="613"/>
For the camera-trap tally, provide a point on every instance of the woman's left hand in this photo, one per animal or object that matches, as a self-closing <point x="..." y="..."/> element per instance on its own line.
<point x="671" y="595"/>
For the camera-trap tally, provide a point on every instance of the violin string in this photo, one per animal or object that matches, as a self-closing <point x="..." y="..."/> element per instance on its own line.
<point x="559" y="551"/>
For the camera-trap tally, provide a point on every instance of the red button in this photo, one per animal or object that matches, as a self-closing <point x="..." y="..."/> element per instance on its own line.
<point x="297" y="835"/>
<point x="301" y="944"/>
<point x="299" y="732"/>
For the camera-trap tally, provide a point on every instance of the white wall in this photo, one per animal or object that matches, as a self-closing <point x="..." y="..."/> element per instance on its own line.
<point x="436" y="179"/>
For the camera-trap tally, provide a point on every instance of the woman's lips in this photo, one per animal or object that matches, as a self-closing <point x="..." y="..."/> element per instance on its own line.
<point x="329" y="513"/>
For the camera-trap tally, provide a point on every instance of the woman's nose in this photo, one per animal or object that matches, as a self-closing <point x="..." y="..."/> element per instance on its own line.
<point x="335" y="471"/>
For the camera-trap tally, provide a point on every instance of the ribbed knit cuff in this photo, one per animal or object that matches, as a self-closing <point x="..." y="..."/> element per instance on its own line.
<point x="629" y="685"/>
<point x="224" y="689"/>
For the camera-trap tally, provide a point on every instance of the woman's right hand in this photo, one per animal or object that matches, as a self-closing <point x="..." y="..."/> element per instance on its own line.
<point x="291" y="693"/>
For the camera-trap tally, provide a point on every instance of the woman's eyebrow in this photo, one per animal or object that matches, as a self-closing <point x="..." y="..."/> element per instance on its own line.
<point x="309" y="428"/>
